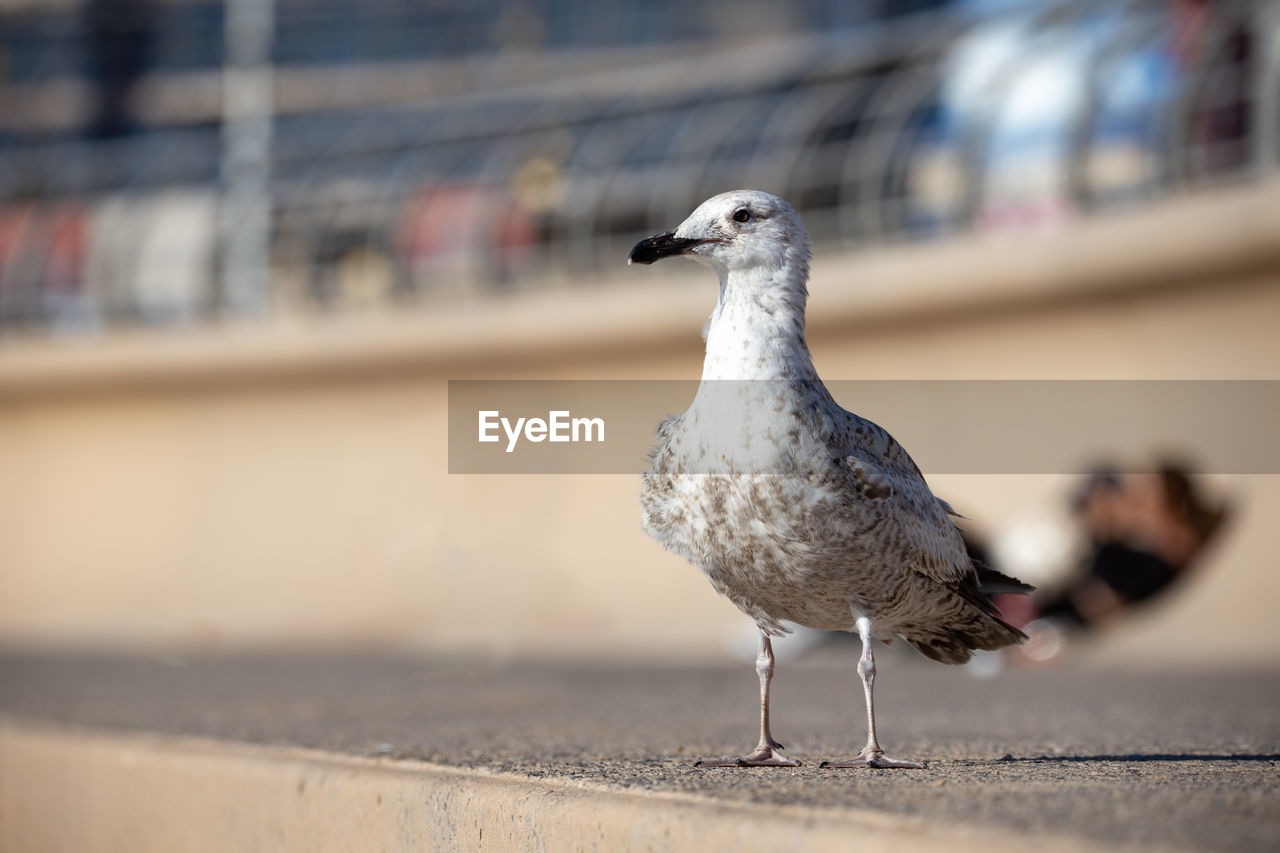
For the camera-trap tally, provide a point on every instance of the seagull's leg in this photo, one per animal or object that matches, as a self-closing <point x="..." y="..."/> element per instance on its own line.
<point x="872" y="755"/>
<point x="762" y="755"/>
<point x="764" y="669"/>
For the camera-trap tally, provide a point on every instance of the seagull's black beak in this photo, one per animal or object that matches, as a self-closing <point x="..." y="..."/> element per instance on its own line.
<point x="661" y="246"/>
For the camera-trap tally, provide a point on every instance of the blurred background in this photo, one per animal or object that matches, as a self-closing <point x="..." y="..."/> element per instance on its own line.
<point x="244" y="245"/>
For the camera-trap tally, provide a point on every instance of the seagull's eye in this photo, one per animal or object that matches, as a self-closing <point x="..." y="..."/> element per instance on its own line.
<point x="741" y="215"/>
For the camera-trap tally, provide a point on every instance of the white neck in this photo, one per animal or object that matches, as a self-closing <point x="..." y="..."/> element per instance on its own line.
<point x="757" y="328"/>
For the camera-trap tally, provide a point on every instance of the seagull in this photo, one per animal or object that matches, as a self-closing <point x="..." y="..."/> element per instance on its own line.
<point x="796" y="510"/>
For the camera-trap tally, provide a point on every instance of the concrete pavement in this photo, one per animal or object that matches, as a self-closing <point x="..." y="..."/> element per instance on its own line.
<point x="577" y="753"/>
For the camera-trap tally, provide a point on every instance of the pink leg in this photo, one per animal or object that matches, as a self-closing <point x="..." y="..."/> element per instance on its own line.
<point x="763" y="755"/>
<point x="872" y="755"/>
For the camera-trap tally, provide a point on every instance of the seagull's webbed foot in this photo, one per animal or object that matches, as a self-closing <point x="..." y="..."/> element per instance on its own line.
<point x="762" y="756"/>
<point x="874" y="758"/>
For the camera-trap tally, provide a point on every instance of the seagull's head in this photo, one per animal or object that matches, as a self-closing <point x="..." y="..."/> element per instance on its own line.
<point x="739" y="230"/>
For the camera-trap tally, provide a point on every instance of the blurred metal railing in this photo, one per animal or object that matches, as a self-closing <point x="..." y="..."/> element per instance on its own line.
<point x="534" y="168"/>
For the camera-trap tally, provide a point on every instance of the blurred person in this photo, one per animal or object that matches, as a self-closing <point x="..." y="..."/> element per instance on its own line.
<point x="1143" y="532"/>
<point x="18" y="295"/>
<point x="41" y="261"/>
<point x="66" y="302"/>
<point x="455" y="236"/>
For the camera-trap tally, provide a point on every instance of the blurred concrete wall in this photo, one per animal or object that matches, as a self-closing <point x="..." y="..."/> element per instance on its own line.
<point x="286" y="484"/>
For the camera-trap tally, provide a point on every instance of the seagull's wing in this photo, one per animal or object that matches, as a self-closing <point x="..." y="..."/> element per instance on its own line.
<point x="892" y="478"/>
<point x="883" y="473"/>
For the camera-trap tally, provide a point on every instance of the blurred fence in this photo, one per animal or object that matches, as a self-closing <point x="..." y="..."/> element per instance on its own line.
<point x="400" y="177"/>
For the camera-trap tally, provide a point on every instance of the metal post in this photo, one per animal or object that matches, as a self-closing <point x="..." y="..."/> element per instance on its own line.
<point x="1266" y="87"/>
<point x="247" y="104"/>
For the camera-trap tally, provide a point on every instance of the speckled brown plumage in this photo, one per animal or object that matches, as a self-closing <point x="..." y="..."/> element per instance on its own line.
<point x="841" y="523"/>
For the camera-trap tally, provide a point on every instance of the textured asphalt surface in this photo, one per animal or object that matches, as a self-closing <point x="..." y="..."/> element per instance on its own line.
<point x="1169" y="760"/>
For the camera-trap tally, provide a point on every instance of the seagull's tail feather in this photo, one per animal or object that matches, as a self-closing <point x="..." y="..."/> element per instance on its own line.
<point x="993" y="582"/>
<point x="956" y="643"/>
<point x="966" y="619"/>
